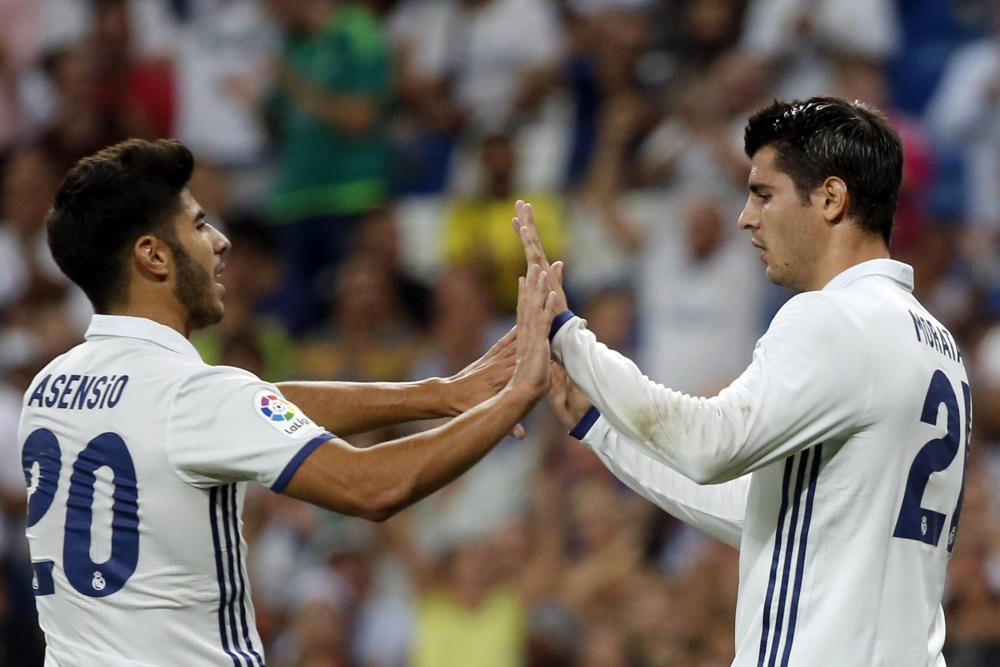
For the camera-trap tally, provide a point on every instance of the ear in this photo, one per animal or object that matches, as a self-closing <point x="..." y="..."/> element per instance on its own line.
<point x="152" y="257"/>
<point x="831" y="199"/>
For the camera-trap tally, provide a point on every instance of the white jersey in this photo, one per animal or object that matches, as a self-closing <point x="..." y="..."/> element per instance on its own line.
<point x="136" y="454"/>
<point x="853" y="423"/>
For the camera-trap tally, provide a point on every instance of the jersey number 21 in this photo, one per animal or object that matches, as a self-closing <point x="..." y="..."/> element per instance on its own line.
<point x="916" y="522"/>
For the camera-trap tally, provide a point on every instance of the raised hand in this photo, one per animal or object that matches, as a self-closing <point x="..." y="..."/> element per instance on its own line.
<point x="534" y="253"/>
<point x="484" y="377"/>
<point x="535" y="310"/>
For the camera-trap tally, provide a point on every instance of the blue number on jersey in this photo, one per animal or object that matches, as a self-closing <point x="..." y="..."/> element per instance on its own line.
<point x="108" y="449"/>
<point x="41" y="447"/>
<point x="916" y="522"/>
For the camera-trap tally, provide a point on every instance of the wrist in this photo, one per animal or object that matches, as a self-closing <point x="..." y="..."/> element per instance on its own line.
<point x="443" y="396"/>
<point x="521" y="396"/>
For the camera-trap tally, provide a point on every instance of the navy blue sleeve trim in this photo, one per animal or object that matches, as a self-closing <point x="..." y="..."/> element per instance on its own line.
<point x="286" y="475"/>
<point x="559" y="320"/>
<point x="583" y="426"/>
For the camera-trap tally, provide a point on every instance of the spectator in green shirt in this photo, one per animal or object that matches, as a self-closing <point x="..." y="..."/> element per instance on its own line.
<point x="330" y="112"/>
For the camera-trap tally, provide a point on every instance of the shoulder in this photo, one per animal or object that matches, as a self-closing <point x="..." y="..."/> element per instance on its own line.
<point x="814" y="310"/>
<point x="815" y="323"/>
<point x="206" y="377"/>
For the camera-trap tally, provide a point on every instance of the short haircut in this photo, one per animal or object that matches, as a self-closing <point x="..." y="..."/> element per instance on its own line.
<point x="106" y="202"/>
<point x="827" y="136"/>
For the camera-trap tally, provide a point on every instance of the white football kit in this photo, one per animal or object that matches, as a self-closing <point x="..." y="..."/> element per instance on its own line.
<point x="136" y="455"/>
<point x="835" y="463"/>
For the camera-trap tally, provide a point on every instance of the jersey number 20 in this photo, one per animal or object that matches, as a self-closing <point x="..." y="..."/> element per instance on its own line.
<point x="916" y="522"/>
<point x="108" y="449"/>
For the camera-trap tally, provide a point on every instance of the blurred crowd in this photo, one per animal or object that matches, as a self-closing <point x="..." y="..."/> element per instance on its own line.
<point x="364" y="158"/>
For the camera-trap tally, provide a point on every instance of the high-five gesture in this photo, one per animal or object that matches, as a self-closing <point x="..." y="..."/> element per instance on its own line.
<point x="535" y="310"/>
<point x="534" y="254"/>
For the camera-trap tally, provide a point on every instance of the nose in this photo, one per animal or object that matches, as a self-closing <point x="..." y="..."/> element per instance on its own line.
<point x="220" y="243"/>
<point x="749" y="219"/>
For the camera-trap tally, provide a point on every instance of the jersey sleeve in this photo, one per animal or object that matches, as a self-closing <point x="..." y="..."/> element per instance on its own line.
<point x="808" y="382"/>
<point x="226" y="425"/>
<point x="717" y="510"/>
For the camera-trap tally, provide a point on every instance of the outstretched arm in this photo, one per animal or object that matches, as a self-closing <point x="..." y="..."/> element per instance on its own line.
<point x="717" y="510"/>
<point x="379" y="481"/>
<point x="794" y="395"/>
<point x="346" y="408"/>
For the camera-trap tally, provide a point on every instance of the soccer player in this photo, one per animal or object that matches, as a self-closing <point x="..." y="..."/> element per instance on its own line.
<point x="835" y="463"/>
<point x="137" y="453"/>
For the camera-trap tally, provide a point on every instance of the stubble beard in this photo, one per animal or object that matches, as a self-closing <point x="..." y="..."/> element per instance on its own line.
<point x="195" y="289"/>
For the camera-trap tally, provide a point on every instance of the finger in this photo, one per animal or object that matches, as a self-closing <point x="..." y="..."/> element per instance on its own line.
<point x="520" y="301"/>
<point x="538" y="294"/>
<point x="557" y="271"/>
<point x="533" y="252"/>
<point x="507" y="337"/>
<point x="518" y="431"/>
<point x="505" y="346"/>
<point x="501" y="347"/>
<point x="550" y="305"/>
<point x="528" y="221"/>
<point x="529" y="233"/>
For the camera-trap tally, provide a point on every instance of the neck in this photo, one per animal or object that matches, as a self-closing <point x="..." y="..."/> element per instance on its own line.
<point x="842" y="256"/>
<point x="167" y="314"/>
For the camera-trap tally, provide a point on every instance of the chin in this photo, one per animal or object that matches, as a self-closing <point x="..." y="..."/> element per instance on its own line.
<point x="776" y="277"/>
<point x="205" y="318"/>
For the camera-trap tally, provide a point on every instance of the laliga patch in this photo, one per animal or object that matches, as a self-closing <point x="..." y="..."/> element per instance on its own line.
<point x="279" y="413"/>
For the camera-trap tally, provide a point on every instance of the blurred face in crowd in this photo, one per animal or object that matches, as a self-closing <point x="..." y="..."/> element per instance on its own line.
<point x="787" y="231"/>
<point x="199" y="260"/>
<point x="499" y="164"/>
<point x="28" y="186"/>
<point x="705" y="232"/>
<point x="297" y="14"/>
<point x="363" y="293"/>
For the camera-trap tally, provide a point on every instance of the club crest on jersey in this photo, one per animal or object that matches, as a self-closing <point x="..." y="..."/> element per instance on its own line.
<point x="279" y="413"/>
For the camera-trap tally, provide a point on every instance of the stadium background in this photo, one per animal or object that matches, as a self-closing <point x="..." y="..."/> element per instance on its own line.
<point x="373" y="245"/>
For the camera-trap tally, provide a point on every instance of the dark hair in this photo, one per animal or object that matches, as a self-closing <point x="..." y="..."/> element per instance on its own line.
<point x="106" y="202"/>
<point x="827" y="136"/>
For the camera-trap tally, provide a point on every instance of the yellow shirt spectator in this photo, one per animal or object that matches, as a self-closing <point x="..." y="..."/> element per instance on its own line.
<point x="478" y="233"/>
<point x="449" y="635"/>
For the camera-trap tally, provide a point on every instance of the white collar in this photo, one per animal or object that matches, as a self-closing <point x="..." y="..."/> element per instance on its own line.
<point x="126" y="326"/>
<point x="890" y="268"/>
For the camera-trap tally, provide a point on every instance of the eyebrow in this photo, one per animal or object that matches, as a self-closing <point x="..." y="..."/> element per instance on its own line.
<point x="759" y="188"/>
<point x="200" y="216"/>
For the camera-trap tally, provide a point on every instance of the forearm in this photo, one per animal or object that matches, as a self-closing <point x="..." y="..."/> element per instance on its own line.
<point x="794" y="394"/>
<point x="421" y="464"/>
<point x="377" y="482"/>
<point x="346" y="408"/>
<point x="682" y="432"/>
<point x="717" y="510"/>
